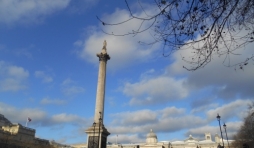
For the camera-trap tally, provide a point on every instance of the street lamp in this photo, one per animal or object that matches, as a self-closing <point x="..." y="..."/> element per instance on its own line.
<point x="218" y="118"/>
<point x="225" y="127"/>
<point x="94" y="124"/>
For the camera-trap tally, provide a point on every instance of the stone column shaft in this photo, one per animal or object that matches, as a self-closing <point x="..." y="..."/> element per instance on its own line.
<point x="100" y="94"/>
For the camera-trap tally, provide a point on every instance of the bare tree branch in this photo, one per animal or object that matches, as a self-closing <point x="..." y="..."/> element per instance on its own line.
<point x="208" y="27"/>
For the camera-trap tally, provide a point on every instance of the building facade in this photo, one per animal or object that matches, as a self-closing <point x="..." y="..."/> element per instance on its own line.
<point x="15" y="135"/>
<point x="190" y="142"/>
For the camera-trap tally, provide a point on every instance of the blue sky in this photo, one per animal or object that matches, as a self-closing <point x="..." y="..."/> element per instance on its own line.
<point x="49" y="70"/>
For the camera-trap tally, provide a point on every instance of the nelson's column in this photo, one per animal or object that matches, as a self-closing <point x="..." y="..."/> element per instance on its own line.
<point x="97" y="133"/>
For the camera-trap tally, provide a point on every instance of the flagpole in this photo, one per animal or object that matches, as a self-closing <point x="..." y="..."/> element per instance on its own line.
<point x="26" y="122"/>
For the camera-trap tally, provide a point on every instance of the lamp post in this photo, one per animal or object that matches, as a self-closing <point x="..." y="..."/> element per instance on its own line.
<point x="94" y="124"/>
<point x="218" y="118"/>
<point x="99" y="142"/>
<point x="225" y="127"/>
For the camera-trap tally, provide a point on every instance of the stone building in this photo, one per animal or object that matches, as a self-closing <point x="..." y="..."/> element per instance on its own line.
<point x="152" y="142"/>
<point x="192" y="142"/>
<point x="15" y="135"/>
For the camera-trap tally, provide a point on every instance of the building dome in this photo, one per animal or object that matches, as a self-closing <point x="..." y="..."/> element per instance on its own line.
<point x="151" y="137"/>
<point x="151" y="134"/>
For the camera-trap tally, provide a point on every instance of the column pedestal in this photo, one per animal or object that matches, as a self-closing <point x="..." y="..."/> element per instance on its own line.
<point x="97" y="136"/>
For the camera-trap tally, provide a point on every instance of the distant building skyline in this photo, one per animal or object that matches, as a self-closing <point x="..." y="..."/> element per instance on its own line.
<point x="152" y="142"/>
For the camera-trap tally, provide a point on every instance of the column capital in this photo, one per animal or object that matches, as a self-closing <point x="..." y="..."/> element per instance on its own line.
<point x="103" y="56"/>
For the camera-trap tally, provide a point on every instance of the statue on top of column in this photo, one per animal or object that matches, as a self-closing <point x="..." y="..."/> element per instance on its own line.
<point x="104" y="44"/>
<point x="104" y="49"/>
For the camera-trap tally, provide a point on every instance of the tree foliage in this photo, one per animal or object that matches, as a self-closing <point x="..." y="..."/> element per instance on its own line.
<point x="208" y="27"/>
<point x="245" y="135"/>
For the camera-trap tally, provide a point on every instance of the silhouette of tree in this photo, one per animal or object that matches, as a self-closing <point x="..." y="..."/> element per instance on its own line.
<point x="245" y="135"/>
<point x="208" y="27"/>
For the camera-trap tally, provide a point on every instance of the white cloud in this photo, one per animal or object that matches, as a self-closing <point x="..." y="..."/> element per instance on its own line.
<point x="226" y="82"/>
<point x="26" y="11"/>
<point x="155" y="90"/>
<point x="123" y="50"/>
<point x="142" y="121"/>
<point x="203" y="101"/>
<point x="125" y="138"/>
<point x="200" y="131"/>
<point x="232" y="128"/>
<point x="38" y="116"/>
<point x="73" y="90"/>
<point x="171" y="112"/>
<point x="17" y="72"/>
<point x="67" y="118"/>
<point x="141" y="117"/>
<point x="12" y="78"/>
<point x="68" y="82"/>
<point x="236" y="108"/>
<point x="17" y="115"/>
<point x="173" y="119"/>
<point x="204" y="108"/>
<point x="170" y="124"/>
<point x="45" y="78"/>
<point x="46" y="101"/>
<point x="69" y="87"/>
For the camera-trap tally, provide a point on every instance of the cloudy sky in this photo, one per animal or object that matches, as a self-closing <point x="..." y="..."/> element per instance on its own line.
<point x="49" y="70"/>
